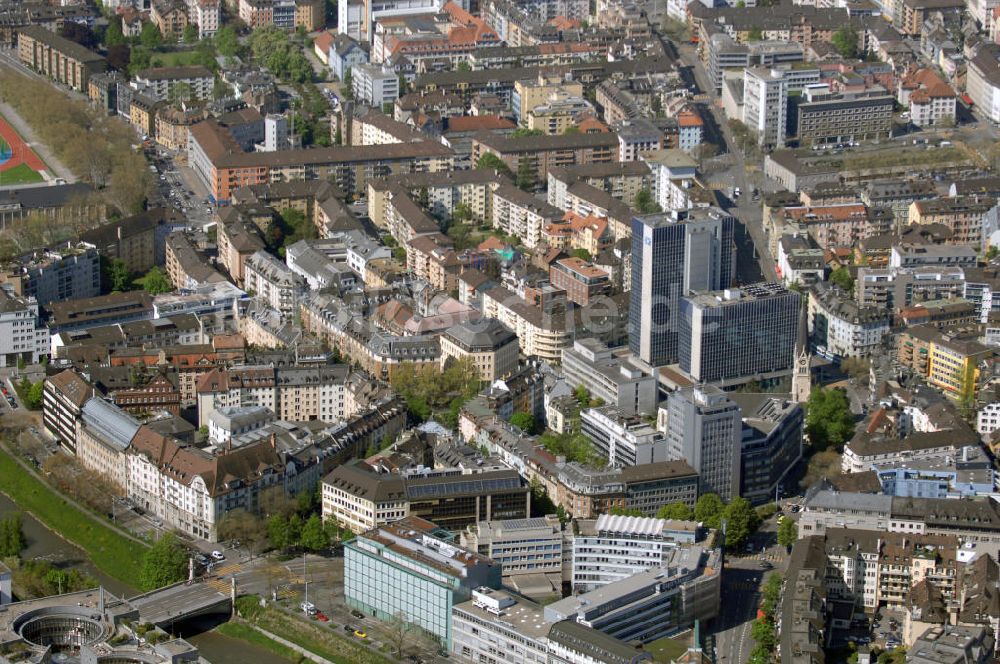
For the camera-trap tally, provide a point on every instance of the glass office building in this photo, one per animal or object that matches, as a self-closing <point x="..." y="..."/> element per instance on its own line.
<point x="409" y="569"/>
<point x="736" y="334"/>
<point x="674" y="254"/>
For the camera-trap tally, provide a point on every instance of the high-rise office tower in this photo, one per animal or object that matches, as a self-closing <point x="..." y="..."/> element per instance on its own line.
<point x="736" y="335"/>
<point x="674" y="254"/>
<point x="705" y="428"/>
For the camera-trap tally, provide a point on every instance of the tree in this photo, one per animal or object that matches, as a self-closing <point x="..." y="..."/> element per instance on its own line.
<point x="523" y="421"/>
<point x="644" y="202"/>
<point x="114" y="36"/>
<point x="279" y="533"/>
<point x="581" y="253"/>
<point x="569" y="131"/>
<point x="829" y="421"/>
<point x="526" y="175"/>
<point x="190" y="35"/>
<point x="582" y="396"/>
<point x="741" y="522"/>
<point x="314" y="536"/>
<point x="857" y="368"/>
<point x="788" y="532"/>
<point x="398" y="634"/>
<point x="180" y="92"/>
<point x="676" y="512"/>
<point x="244" y="526"/>
<point x="845" y="40"/>
<point x="524" y="133"/>
<point x="842" y="277"/>
<point x="119" y="57"/>
<point x="163" y="563"/>
<point x="156" y="281"/>
<point x="490" y="162"/>
<point x="754" y="35"/>
<point x="150" y="36"/>
<point x="12" y="540"/>
<point x="119" y="278"/>
<point x="992" y="252"/>
<point x="34" y="398"/>
<point x="708" y="510"/>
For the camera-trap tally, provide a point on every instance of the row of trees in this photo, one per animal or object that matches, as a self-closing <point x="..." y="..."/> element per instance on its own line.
<point x="763" y="630"/>
<point x="95" y="146"/>
<point x="742" y="520"/>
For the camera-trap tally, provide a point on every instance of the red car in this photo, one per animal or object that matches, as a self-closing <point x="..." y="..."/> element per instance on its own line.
<point x="321" y="617"/>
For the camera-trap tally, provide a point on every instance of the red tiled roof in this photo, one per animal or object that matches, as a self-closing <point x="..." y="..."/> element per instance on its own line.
<point x="478" y="122"/>
<point x="323" y="41"/>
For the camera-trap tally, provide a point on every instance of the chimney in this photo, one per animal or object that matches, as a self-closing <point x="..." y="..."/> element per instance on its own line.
<point x="274" y="441"/>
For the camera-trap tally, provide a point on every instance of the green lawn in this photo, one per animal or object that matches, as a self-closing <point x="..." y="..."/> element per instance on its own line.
<point x="113" y="554"/>
<point x="324" y="641"/>
<point x="668" y="649"/>
<point x="20" y="174"/>
<point x="173" y="59"/>
<point x="236" y="630"/>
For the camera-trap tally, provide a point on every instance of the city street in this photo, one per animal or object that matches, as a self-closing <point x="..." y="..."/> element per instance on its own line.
<point x="754" y="262"/>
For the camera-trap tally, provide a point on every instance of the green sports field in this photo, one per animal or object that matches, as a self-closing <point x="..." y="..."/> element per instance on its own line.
<point x="20" y="174"/>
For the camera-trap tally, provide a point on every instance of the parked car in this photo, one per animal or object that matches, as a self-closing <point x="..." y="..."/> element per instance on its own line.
<point x="321" y="617"/>
<point x="218" y="555"/>
<point x="361" y="634"/>
<point x="308" y="607"/>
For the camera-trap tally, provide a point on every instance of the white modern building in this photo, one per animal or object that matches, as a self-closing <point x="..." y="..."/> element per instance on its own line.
<point x="624" y="440"/>
<point x="705" y="427"/>
<point x="652" y="603"/>
<point x="988" y="419"/>
<point x="674" y="173"/>
<point x="21" y="336"/>
<point x="528" y="550"/>
<point x="612" y="548"/>
<point x="225" y="423"/>
<point x="765" y="105"/>
<point x="374" y="85"/>
<point x="611" y="376"/>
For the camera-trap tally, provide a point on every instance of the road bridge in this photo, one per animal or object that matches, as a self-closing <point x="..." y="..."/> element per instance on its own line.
<point x="179" y="602"/>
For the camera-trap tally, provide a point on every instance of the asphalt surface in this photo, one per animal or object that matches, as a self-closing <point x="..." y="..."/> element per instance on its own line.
<point x="729" y="171"/>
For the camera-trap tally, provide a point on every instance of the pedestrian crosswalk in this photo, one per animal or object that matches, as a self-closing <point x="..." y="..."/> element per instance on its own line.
<point x="223" y="584"/>
<point x="231" y="568"/>
<point x="772" y="557"/>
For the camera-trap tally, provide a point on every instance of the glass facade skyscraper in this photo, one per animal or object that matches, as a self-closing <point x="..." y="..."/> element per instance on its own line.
<point x="674" y="254"/>
<point x="736" y="334"/>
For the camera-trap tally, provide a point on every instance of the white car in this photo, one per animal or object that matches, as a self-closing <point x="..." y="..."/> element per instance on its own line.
<point x="218" y="555"/>
<point x="308" y="608"/>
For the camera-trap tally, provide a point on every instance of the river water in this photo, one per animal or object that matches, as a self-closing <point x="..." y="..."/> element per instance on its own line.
<point x="216" y="648"/>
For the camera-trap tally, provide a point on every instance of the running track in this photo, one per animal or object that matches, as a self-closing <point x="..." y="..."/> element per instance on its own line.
<point x="22" y="153"/>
